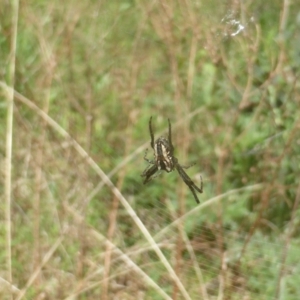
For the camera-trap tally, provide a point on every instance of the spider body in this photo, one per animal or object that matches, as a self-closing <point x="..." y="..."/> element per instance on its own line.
<point x="164" y="160"/>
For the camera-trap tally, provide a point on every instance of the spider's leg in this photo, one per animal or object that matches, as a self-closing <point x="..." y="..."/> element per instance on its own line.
<point x="151" y="133"/>
<point x="152" y="177"/>
<point x="188" y="181"/>
<point x="148" y="160"/>
<point x="146" y="170"/>
<point x="195" y="195"/>
<point x="200" y="190"/>
<point x="149" y="172"/>
<point x="170" y="139"/>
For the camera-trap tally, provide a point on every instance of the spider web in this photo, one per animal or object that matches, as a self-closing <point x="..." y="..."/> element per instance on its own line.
<point x="199" y="256"/>
<point x="82" y="223"/>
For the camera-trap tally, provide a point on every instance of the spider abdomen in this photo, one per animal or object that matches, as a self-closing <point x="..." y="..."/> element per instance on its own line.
<point x="162" y="155"/>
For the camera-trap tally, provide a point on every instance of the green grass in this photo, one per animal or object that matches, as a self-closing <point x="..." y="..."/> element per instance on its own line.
<point x="100" y="70"/>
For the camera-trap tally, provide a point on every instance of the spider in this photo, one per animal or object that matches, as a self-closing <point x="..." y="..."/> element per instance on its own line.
<point x="164" y="160"/>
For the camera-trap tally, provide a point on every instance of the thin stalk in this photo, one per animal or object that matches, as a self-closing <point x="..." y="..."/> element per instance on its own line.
<point x="9" y="136"/>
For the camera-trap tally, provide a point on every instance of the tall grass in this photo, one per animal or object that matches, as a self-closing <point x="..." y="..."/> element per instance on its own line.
<point x="79" y="82"/>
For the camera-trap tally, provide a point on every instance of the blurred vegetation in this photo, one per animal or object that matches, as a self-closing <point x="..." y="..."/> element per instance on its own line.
<point x="227" y="77"/>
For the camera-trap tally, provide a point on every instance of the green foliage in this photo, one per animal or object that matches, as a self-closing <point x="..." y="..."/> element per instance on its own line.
<point x="100" y="70"/>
